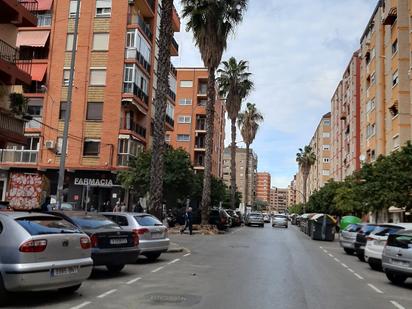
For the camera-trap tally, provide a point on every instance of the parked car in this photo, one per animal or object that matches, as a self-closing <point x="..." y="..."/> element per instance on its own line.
<point x="280" y="220"/>
<point x="220" y="218"/>
<point x="255" y="218"/>
<point x="112" y="246"/>
<point x="360" y="242"/>
<point x="397" y="257"/>
<point x="235" y="218"/>
<point x="241" y="217"/>
<point x="41" y="252"/>
<point x="347" y="237"/>
<point x="376" y="241"/>
<point x="153" y="237"/>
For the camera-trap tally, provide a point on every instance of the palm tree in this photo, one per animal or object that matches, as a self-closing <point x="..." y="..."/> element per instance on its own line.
<point x="249" y="122"/>
<point x="160" y="104"/>
<point x="211" y="23"/>
<point x="234" y="85"/>
<point x="305" y="158"/>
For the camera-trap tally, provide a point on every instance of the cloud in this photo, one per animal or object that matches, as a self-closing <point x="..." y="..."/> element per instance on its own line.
<point x="297" y="51"/>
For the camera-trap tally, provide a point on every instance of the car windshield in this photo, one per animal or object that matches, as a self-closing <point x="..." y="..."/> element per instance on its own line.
<point x="94" y="222"/>
<point x="43" y="225"/>
<point x="256" y="215"/>
<point x="353" y="228"/>
<point x="386" y="230"/>
<point x="400" y="241"/>
<point x="148" y="221"/>
<point x="279" y="217"/>
<point x="368" y="228"/>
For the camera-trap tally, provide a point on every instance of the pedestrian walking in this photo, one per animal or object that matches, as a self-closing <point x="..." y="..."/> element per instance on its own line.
<point x="117" y="208"/>
<point x="123" y="208"/>
<point x="188" y="221"/>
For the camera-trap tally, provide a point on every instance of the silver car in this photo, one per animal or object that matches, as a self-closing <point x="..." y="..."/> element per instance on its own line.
<point x="348" y="237"/>
<point x="153" y="236"/>
<point x="397" y="257"/>
<point x="255" y="218"/>
<point x="280" y="220"/>
<point x="41" y="252"/>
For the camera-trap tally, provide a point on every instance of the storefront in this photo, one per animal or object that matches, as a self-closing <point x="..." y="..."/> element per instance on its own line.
<point x="3" y="185"/>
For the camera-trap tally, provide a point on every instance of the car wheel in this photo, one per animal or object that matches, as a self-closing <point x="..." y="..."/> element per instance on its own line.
<point x="375" y="265"/>
<point x="114" y="269"/>
<point x="153" y="256"/>
<point x="70" y="289"/>
<point x="3" y="293"/>
<point x="286" y="227"/>
<point x="361" y="257"/>
<point x="397" y="279"/>
<point x="349" y="251"/>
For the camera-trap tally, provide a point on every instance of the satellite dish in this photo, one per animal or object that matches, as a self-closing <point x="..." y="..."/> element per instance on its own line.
<point x="362" y="158"/>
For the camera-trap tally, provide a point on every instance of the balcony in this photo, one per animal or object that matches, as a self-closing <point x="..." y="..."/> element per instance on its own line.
<point x="134" y="127"/>
<point x="174" y="49"/>
<point x="18" y="156"/>
<point x="146" y="7"/>
<point x="123" y="159"/>
<point x="19" y="13"/>
<point x="16" y="71"/>
<point x="132" y="88"/>
<point x="134" y="54"/>
<point x="145" y="27"/>
<point x="202" y="91"/>
<point x="171" y="94"/>
<point x="201" y="124"/>
<point x="35" y="123"/>
<point x="170" y="121"/>
<point x="173" y="70"/>
<point x="11" y="128"/>
<point x="30" y="5"/>
<point x="44" y="20"/>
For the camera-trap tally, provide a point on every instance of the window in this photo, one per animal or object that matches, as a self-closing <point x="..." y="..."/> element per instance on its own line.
<point x="98" y="77"/>
<point x="167" y="138"/>
<point x="73" y="8"/>
<point x="395" y="47"/>
<point x="69" y="41"/>
<point x="370" y="105"/>
<point x="373" y="53"/>
<point x="326" y="160"/>
<point x="396" y="142"/>
<point x="62" y="112"/>
<point x="326" y="134"/>
<point x="202" y="102"/>
<point x="183" y="138"/>
<point x="103" y="8"/>
<point x="100" y="41"/>
<point x="370" y="130"/>
<point x="34" y="110"/>
<point x="394" y="110"/>
<point x="325" y="172"/>
<point x="66" y="76"/>
<point x="373" y="78"/>
<point x="59" y="146"/>
<point x="326" y="147"/>
<point x="186" y="84"/>
<point x="326" y="122"/>
<point x="395" y="78"/>
<point x="185" y="119"/>
<point x="91" y="147"/>
<point x="185" y="102"/>
<point x="94" y="111"/>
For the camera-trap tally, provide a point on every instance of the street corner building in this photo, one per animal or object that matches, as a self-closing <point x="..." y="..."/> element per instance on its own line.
<point x="112" y="109"/>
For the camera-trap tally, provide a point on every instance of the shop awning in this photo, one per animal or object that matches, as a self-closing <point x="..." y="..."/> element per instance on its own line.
<point x="32" y="38"/>
<point x="44" y="5"/>
<point x="37" y="71"/>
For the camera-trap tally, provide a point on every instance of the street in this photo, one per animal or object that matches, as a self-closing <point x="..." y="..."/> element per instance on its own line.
<point x="245" y="268"/>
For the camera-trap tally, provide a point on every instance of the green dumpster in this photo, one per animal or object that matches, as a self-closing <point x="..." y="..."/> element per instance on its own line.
<point x="345" y="221"/>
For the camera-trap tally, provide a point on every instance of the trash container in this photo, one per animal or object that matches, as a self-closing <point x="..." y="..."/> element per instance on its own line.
<point x="347" y="220"/>
<point x="322" y="227"/>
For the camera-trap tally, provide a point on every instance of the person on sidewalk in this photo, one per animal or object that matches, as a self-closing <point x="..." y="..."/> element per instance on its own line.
<point x="188" y="221"/>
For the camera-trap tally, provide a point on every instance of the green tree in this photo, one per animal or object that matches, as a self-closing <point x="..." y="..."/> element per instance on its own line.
<point x="305" y="158"/>
<point x="234" y="85"/>
<point x="249" y="122"/>
<point x="211" y="23"/>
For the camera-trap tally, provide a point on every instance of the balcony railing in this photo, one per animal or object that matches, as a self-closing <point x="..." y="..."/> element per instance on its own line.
<point x="175" y="44"/>
<point x="152" y="4"/>
<point x="170" y="121"/>
<point x="44" y="20"/>
<point x="123" y="159"/>
<point x="173" y="70"/>
<point x="201" y="124"/>
<point x="10" y="123"/>
<point x="18" y="156"/>
<point x="10" y="54"/>
<point x="171" y="94"/>
<point x="133" y="126"/>
<point x="138" y="20"/>
<point x="35" y="123"/>
<point x="133" y="53"/>
<point x="30" y="5"/>
<point x="135" y="89"/>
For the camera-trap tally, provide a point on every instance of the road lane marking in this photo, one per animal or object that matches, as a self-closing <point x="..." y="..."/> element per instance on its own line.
<point x="337" y="260"/>
<point x="359" y="276"/>
<point x="331" y="255"/>
<point x="157" y="269"/>
<point x="326" y="251"/>
<point x="397" y="305"/>
<point x="187" y="254"/>
<point x="82" y="305"/>
<point x="375" y="288"/>
<point x="107" y="293"/>
<point x="134" y="280"/>
<point x="351" y="270"/>
<point x="174" y="261"/>
<point x="321" y="247"/>
<point x="344" y="265"/>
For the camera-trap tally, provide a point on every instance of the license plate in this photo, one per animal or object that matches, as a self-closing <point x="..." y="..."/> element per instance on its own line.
<point x="157" y="235"/>
<point x="118" y="241"/>
<point x="57" y="272"/>
<point x="400" y="263"/>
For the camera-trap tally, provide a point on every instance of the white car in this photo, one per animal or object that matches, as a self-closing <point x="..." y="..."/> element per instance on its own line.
<point x="376" y="242"/>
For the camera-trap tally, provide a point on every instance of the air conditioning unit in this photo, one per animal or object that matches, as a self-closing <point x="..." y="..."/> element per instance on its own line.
<point x="49" y="144"/>
<point x="131" y="1"/>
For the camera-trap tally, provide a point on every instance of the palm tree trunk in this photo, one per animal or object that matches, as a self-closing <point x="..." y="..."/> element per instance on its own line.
<point x="305" y="183"/>
<point x="160" y="103"/>
<point x="233" y="166"/>
<point x="210" y="116"/>
<point x="246" y="199"/>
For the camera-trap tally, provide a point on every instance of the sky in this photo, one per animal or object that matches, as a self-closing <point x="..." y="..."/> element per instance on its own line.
<point x="297" y="52"/>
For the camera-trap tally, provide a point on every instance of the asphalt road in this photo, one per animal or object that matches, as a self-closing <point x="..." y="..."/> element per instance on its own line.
<point x="246" y="268"/>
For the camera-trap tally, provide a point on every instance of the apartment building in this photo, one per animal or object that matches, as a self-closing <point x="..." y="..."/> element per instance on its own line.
<point x="320" y="172"/>
<point x="292" y="193"/>
<point x="14" y="72"/>
<point x="385" y="80"/>
<point x="279" y="199"/>
<point x="190" y="120"/>
<point x="263" y="186"/>
<point x="112" y="110"/>
<point x="240" y="172"/>
<point x="345" y="120"/>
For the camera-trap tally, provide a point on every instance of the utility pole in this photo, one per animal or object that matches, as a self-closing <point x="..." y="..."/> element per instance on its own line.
<point x="62" y="167"/>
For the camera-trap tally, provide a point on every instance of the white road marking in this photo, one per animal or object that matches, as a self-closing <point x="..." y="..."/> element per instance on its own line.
<point x="321" y="247"/>
<point x="359" y="276"/>
<point x="174" y="261"/>
<point x="157" y="269"/>
<point x="397" y="305"/>
<point x="331" y="255"/>
<point x="344" y="265"/>
<point x="187" y="254"/>
<point x="326" y="251"/>
<point x="337" y="260"/>
<point x="375" y="288"/>
<point x="134" y="280"/>
<point x="351" y="270"/>
<point x="107" y="293"/>
<point x="82" y="305"/>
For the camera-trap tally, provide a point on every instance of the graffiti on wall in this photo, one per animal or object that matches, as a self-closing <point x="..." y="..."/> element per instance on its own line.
<point x="26" y="191"/>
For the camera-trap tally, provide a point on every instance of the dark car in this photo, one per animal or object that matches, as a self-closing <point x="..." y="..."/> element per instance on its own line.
<point x="220" y="218"/>
<point x="236" y="221"/>
<point x="112" y="246"/>
<point x="361" y="240"/>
